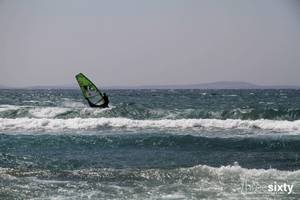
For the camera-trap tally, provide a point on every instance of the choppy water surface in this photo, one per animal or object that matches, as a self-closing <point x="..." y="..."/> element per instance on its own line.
<point x="150" y="144"/>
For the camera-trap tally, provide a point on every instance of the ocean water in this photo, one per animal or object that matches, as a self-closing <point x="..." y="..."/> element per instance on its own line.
<point x="150" y="144"/>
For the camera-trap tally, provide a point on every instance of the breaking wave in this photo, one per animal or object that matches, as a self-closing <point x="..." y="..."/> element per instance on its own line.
<point x="198" y="182"/>
<point x="73" y="109"/>
<point x="46" y="124"/>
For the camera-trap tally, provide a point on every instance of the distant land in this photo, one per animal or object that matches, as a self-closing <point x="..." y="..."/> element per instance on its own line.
<point x="212" y="86"/>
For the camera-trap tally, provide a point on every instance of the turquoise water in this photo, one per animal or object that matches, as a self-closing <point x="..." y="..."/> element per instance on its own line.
<point x="150" y="144"/>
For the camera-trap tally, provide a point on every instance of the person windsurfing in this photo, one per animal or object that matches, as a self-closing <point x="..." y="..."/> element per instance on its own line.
<point x="106" y="101"/>
<point x="91" y="93"/>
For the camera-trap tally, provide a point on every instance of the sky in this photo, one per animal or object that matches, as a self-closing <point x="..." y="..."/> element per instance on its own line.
<point x="149" y="42"/>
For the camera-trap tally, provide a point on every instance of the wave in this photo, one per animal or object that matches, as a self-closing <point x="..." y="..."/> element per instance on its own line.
<point x="192" y="174"/>
<point x="196" y="172"/>
<point x="8" y="107"/>
<point x="45" y="124"/>
<point x="71" y="110"/>
<point x="75" y="109"/>
<point x="48" y="112"/>
<point x="198" y="182"/>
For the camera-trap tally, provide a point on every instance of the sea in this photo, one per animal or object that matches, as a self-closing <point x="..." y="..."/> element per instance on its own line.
<point x="150" y="144"/>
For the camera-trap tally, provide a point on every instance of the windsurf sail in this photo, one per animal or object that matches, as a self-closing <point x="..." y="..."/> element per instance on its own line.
<point x="89" y="90"/>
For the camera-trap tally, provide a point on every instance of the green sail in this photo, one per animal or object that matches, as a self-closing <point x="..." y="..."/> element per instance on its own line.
<point x="89" y="90"/>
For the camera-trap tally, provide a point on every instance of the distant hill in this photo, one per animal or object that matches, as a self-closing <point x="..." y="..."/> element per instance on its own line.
<point x="212" y="86"/>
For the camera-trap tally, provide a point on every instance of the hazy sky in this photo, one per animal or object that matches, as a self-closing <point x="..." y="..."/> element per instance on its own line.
<point x="139" y="42"/>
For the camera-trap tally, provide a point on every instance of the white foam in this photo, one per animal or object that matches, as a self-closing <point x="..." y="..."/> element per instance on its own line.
<point x="46" y="124"/>
<point x="198" y="172"/>
<point x="72" y="104"/>
<point x="8" y="107"/>
<point x="225" y="182"/>
<point x="31" y="101"/>
<point x="52" y="112"/>
<point x="175" y="195"/>
<point x="48" y="112"/>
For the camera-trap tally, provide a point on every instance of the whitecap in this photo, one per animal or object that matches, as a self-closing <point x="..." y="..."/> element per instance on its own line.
<point x="47" y="124"/>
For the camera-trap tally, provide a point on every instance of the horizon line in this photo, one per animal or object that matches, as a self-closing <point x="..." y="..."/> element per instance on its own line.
<point x="207" y="85"/>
